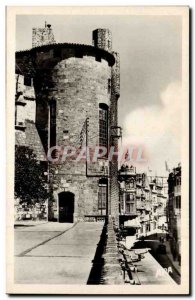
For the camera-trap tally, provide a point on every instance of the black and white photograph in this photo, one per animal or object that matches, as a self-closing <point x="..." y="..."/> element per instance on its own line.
<point x="99" y="150"/>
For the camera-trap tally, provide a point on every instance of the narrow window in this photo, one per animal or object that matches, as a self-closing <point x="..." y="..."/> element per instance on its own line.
<point x="52" y="134"/>
<point x="103" y="125"/>
<point x="102" y="197"/>
<point x="109" y="86"/>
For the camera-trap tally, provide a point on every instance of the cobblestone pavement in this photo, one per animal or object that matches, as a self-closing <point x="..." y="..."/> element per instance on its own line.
<point x="47" y="256"/>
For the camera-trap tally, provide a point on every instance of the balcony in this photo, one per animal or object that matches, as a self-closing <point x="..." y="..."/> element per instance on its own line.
<point x="127" y="172"/>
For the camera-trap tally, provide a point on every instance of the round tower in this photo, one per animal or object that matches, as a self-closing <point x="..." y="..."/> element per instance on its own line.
<point x="74" y="86"/>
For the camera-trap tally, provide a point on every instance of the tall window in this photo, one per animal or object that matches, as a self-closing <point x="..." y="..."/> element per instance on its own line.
<point x="102" y="197"/>
<point x="130" y="204"/>
<point x="130" y="208"/>
<point x="53" y="125"/>
<point x="103" y="125"/>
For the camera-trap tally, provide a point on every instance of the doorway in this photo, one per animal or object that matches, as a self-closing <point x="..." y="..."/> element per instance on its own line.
<point x="66" y="207"/>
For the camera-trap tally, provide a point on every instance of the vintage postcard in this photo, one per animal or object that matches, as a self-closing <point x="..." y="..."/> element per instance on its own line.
<point x="98" y="150"/>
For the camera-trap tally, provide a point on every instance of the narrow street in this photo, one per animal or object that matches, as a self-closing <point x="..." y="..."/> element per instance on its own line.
<point x="153" y="242"/>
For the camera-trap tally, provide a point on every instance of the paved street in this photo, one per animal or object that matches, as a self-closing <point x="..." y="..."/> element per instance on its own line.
<point x="55" y="252"/>
<point x="163" y="259"/>
<point x="151" y="272"/>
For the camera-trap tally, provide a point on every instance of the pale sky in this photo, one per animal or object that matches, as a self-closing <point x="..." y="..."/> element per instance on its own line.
<point x="150" y="55"/>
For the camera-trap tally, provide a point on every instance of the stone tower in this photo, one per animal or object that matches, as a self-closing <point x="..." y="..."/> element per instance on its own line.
<point x="42" y="36"/>
<point x="102" y="38"/>
<point x="77" y="88"/>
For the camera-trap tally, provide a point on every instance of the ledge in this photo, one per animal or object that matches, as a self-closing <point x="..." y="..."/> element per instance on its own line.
<point x="81" y="48"/>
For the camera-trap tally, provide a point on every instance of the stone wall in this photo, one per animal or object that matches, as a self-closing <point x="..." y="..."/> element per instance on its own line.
<point x="112" y="272"/>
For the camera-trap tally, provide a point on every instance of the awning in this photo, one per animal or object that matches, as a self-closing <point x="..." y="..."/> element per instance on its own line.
<point x="132" y="223"/>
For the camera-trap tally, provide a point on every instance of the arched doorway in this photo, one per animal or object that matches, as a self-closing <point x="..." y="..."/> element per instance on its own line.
<point x="66" y="207"/>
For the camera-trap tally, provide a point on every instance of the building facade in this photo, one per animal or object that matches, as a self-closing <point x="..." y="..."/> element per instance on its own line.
<point x="143" y="200"/>
<point x="174" y="211"/>
<point x="67" y="98"/>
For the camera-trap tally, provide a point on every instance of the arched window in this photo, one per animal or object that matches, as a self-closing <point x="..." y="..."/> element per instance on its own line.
<point x="103" y="125"/>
